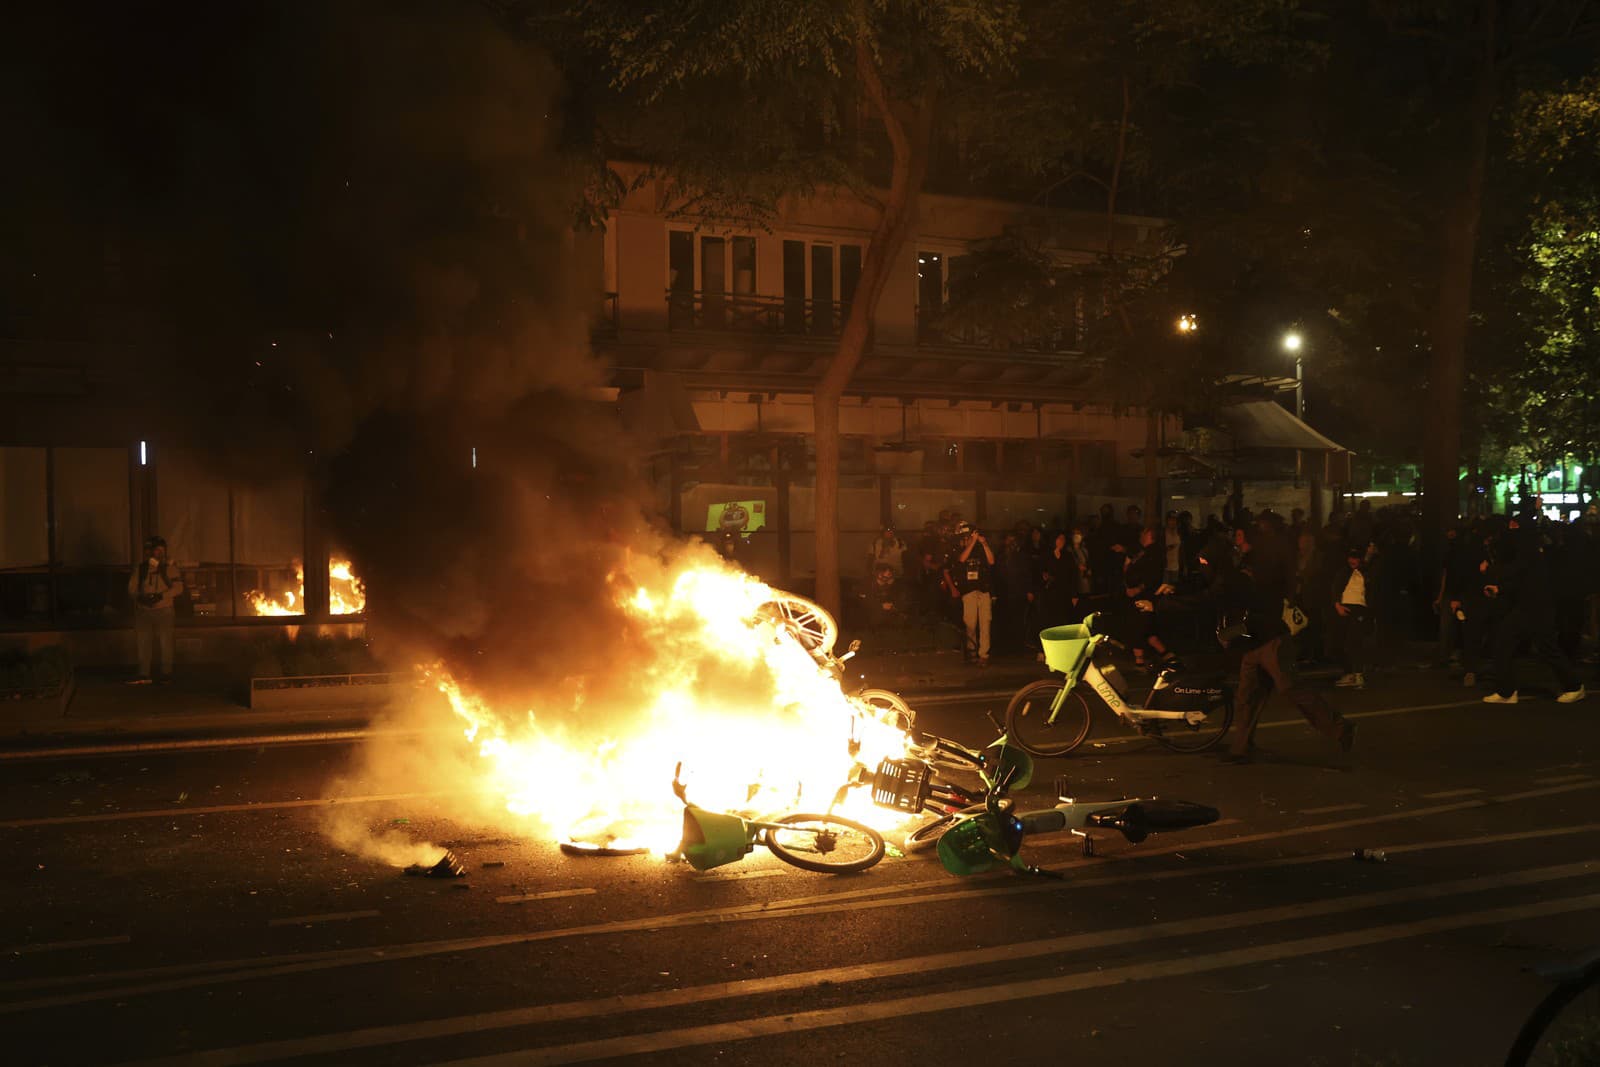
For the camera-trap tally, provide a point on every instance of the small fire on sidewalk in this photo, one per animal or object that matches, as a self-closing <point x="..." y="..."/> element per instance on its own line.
<point x="346" y="593"/>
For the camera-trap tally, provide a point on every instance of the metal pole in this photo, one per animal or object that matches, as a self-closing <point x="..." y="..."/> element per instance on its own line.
<point x="1299" y="389"/>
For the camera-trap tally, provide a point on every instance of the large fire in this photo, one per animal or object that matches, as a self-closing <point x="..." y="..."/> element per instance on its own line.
<point x="787" y="748"/>
<point x="346" y="594"/>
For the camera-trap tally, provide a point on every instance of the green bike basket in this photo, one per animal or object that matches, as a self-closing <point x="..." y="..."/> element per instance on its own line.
<point x="711" y="839"/>
<point x="1011" y="757"/>
<point x="1066" y="647"/>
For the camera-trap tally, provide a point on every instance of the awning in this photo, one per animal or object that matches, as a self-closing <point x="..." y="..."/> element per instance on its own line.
<point x="1266" y="424"/>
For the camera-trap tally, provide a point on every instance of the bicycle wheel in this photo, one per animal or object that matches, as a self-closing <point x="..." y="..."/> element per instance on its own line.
<point x="1182" y="737"/>
<point x="827" y="844"/>
<point x="891" y="706"/>
<point x="1565" y="1028"/>
<point x="1028" y="724"/>
<point x="944" y="755"/>
<point x="927" y="835"/>
<point x="810" y="622"/>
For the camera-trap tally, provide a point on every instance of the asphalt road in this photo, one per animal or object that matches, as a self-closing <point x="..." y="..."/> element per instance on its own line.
<point x="184" y="907"/>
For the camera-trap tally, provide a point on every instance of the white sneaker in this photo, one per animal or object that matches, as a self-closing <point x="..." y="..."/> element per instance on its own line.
<point x="1572" y="697"/>
<point x="1349" y="680"/>
<point x="1496" y="698"/>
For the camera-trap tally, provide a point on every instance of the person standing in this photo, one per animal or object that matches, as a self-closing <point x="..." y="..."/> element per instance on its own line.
<point x="1018" y="592"/>
<point x="1351" y="619"/>
<point x="1520" y="579"/>
<point x="155" y="588"/>
<point x="1267" y="664"/>
<point x="969" y="574"/>
<point x="888" y="550"/>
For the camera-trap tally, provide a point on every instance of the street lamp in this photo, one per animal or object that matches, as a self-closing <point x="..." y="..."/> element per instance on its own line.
<point x="1188" y="324"/>
<point x="1292" y="343"/>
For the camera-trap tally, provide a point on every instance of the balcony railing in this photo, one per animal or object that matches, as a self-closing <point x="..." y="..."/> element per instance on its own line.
<point x="931" y="333"/>
<point x="748" y="313"/>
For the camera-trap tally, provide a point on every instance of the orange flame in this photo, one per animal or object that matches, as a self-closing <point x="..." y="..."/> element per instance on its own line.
<point x="785" y="748"/>
<point x="346" y="593"/>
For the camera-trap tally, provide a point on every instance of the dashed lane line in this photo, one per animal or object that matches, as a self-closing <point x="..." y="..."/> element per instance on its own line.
<point x="1009" y="992"/>
<point x="1331" y="809"/>
<point x="62" y="946"/>
<point x="130" y="748"/>
<point x="834" y="976"/>
<point x="1564" y="779"/>
<point x="327" y="917"/>
<point x="1123" y="739"/>
<point x="1448" y="794"/>
<point x="213" y="809"/>
<point x="549" y="894"/>
<point x="187" y="976"/>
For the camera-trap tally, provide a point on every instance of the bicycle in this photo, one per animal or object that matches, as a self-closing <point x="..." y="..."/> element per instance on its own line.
<point x="826" y="844"/>
<point x="991" y="834"/>
<point x="1565" y="1028"/>
<point x="1050" y="717"/>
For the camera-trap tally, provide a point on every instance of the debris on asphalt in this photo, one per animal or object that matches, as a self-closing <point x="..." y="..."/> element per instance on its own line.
<point x="487" y="864"/>
<point x="447" y="867"/>
<point x="1370" y="855"/>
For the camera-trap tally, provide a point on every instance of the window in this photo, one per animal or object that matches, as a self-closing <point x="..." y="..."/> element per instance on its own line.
<point x="744" y="265"/>
<point x="680" y="278"/>
<point x="930" y="291"/>
<point x="1016" y="456"/>
<point x="822" y="289"/>
<point x="980" y="457"/>
<point x="849" y="276"/>
<point x="24" y="540"/>
<point x="794" y="286"/>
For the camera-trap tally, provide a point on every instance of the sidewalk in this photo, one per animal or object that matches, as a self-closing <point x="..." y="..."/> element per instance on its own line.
<point x="202" y="701"/>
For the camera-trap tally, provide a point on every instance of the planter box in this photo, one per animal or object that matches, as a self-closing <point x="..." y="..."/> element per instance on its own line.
<point x="44" y="703"/>
<point x="329" y="690"/>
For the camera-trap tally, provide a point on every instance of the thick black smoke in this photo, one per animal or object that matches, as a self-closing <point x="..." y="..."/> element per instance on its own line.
<point x="345" y="235"/>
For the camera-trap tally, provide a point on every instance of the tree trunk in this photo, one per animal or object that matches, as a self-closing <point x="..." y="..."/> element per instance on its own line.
<point x="910" y="143"/>
<point x="1453" y="307"/>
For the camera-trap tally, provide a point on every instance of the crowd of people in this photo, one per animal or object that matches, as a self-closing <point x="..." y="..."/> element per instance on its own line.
<point x="1503" y="584"/>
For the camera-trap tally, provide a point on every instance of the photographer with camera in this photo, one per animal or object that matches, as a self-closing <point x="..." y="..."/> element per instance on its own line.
<point x="155" y="588"/>
<point x="969" y="577"/>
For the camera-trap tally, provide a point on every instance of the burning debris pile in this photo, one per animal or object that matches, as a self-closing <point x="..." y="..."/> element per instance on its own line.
<point x="719" y="681"/>
<point x="346" y="593"/>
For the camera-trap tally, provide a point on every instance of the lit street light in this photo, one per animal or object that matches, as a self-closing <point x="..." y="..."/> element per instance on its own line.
<point x="1188" y="324"/>
<point x="1292" y="342"/>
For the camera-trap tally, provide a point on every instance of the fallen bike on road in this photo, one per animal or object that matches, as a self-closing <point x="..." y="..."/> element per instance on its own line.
<point x="979" y="830"/>
<point x="826" y="844"/>
<point x="1184" y="712"/>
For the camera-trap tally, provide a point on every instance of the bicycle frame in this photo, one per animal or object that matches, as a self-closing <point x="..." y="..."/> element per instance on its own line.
<point x="1107" y="692"/>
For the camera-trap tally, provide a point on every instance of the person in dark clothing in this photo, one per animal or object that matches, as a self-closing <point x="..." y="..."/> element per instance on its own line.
<point x="1520" y="579"/>
<point x="1142" y="583"/>
<point x="1570" y="576"/>
<point x="1062" y="575"/>
<point x="886" y="606"/>
<point x="1106" y="550"/>
<point x="1017" y="592"/>
<point x="1257" y="631"/>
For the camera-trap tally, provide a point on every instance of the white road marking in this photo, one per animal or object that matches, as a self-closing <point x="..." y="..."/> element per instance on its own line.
<point x="214" y="809"/>
<point x="1010" y="992"/>
<point x="1122" y="739"/>
<point x="254" y="741"/>
<point x="328" y="917"/>
<point x="62" y="946"/>
<point x="1330" y="809"/>
<point x="1564" y="779"/>
<point x="217" y="972"/>
<point x="1446" y="794"/>
<point x="739" y="876"/>
<point x="943" y="961"/>
<point x="549" y="894"/>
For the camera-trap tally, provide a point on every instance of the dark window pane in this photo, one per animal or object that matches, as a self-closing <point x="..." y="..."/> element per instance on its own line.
<point x="980" y="456"/>
<point x="23" y="536"/>
<point x="822" y="289"/>
<point x="744" y="265"/>
<point x="794" y="286"/>
<point x="680" y="277"/>
<point x="930" y="292"/>
<point x="92" y="512"/>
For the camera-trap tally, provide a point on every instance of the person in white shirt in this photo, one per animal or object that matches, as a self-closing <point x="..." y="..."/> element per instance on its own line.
<point x="1351" y="615"/>
<point x="155" y="587"/>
